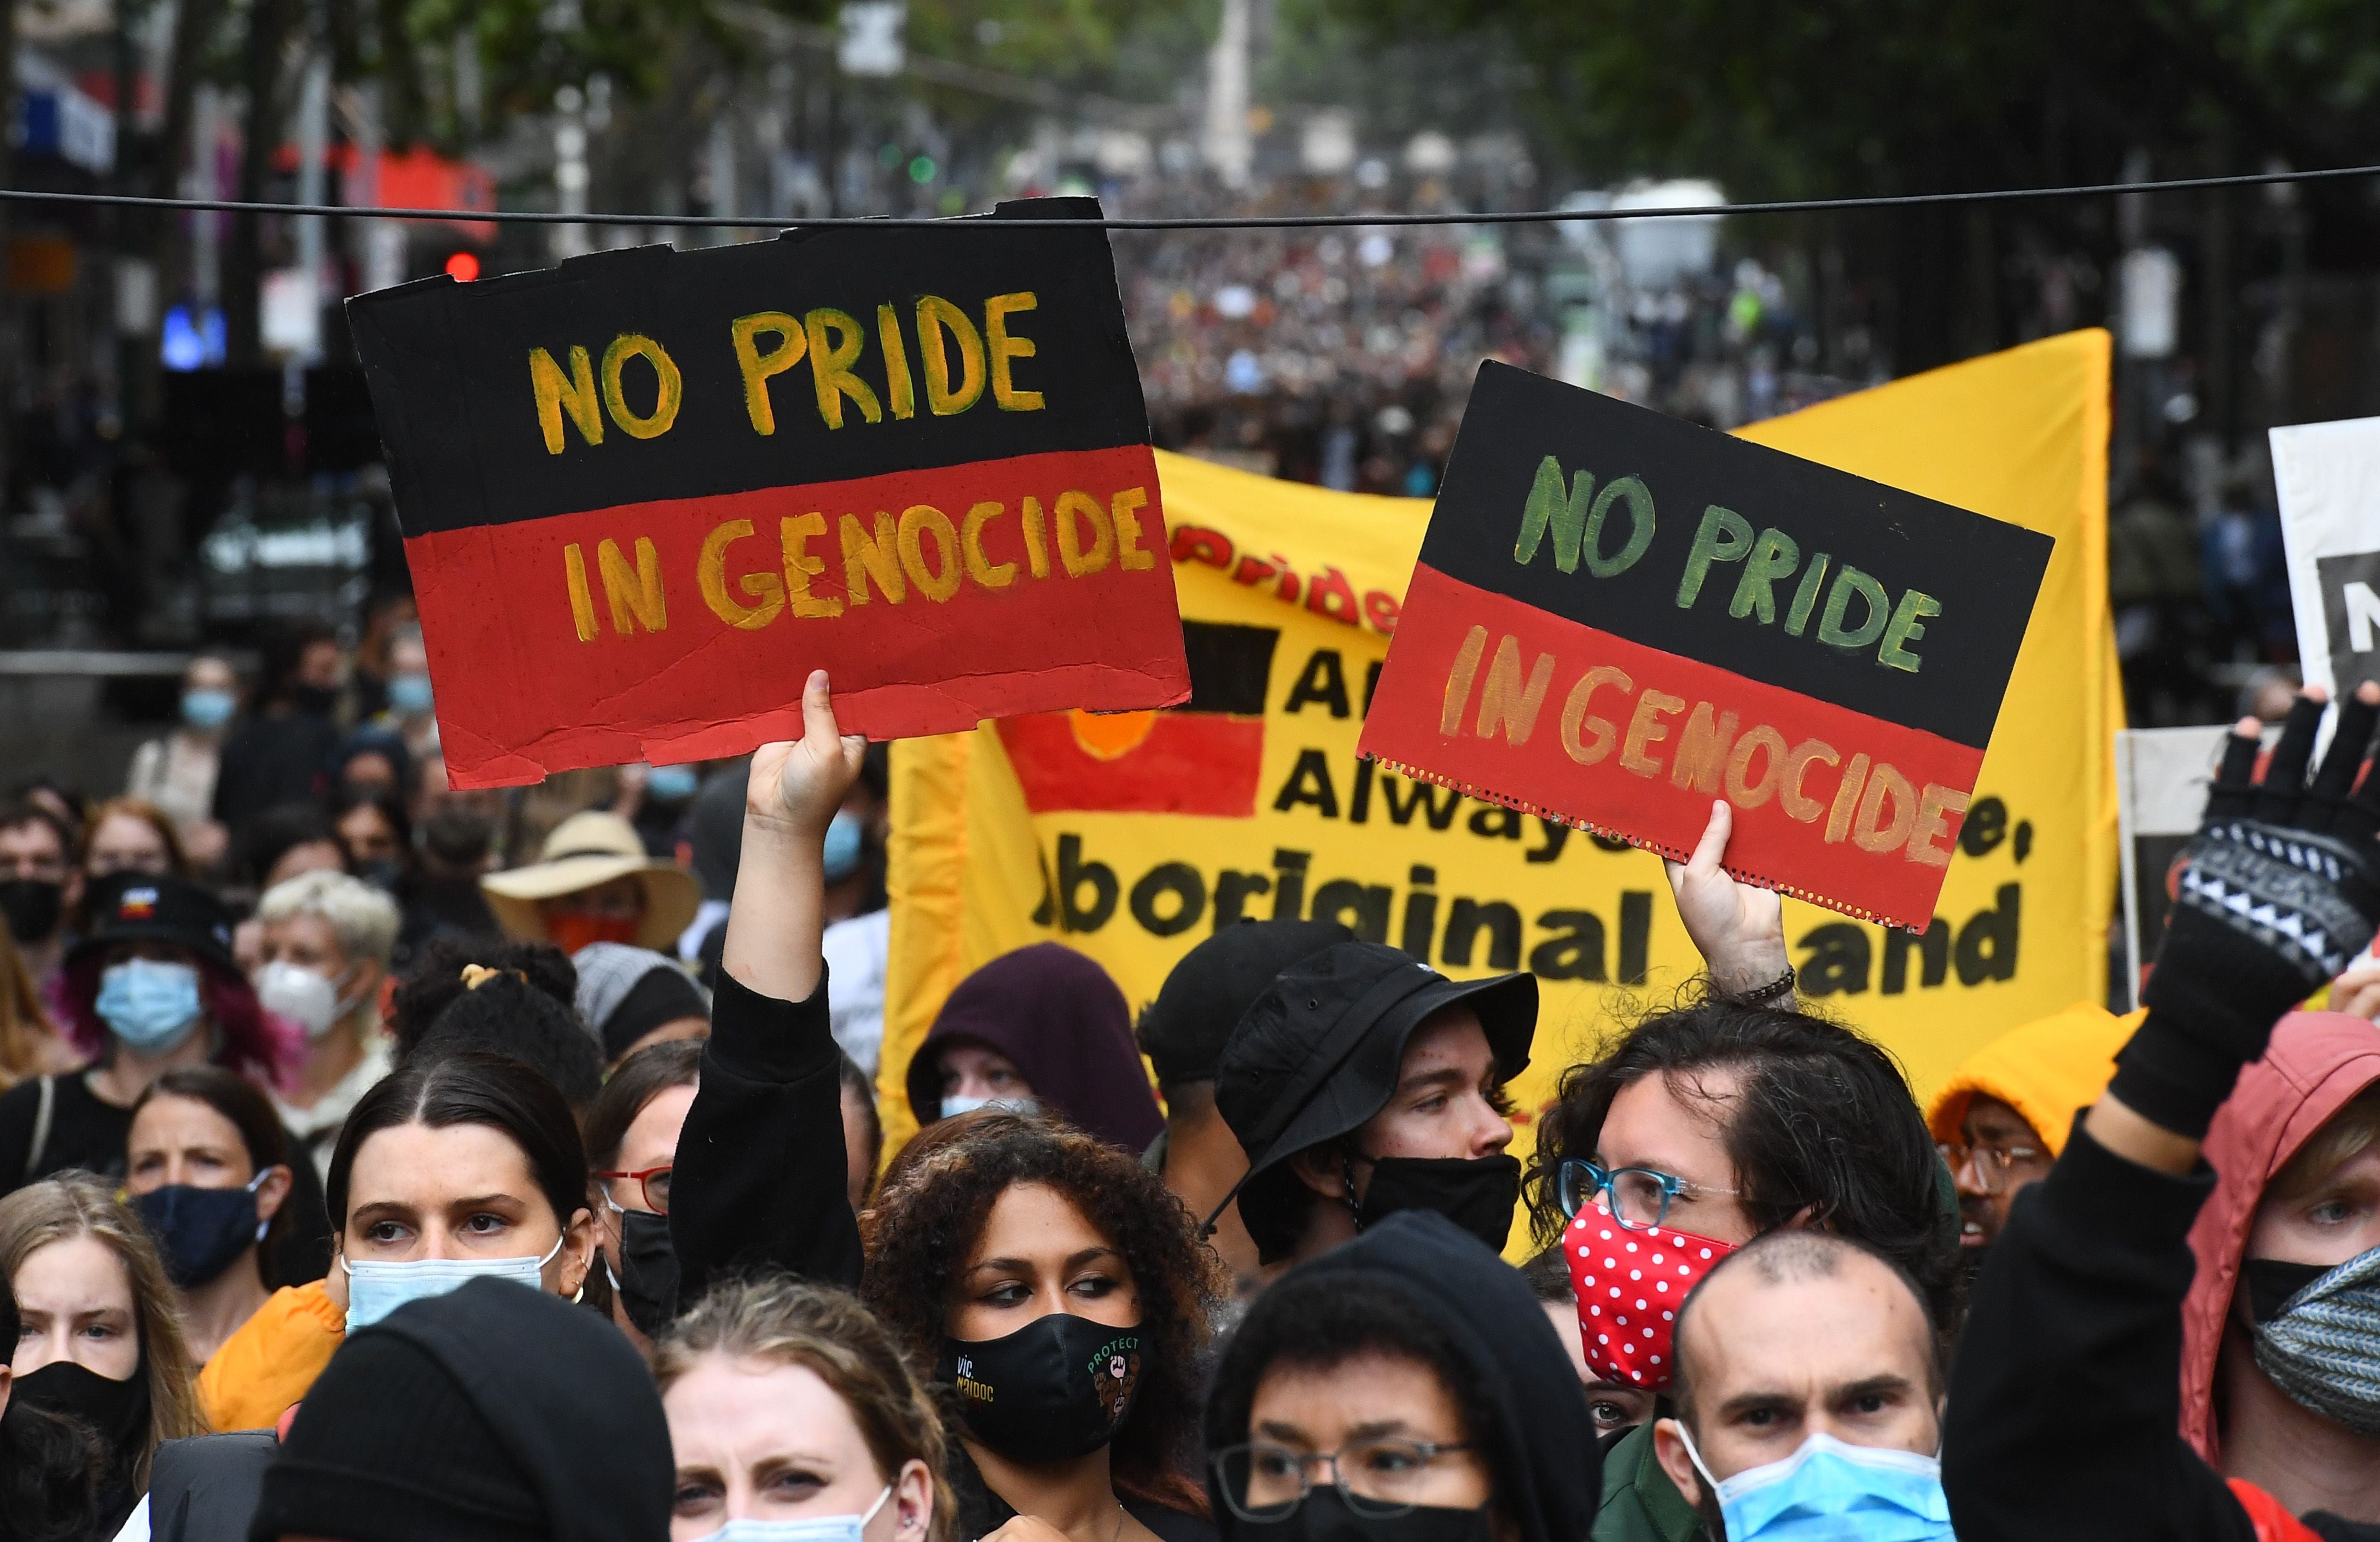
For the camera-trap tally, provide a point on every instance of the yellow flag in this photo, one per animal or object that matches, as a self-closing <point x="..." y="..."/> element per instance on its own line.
<point x="1131" y="838"/>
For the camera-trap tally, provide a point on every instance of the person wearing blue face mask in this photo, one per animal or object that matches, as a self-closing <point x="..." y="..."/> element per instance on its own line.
<point x="460" y="1166"/>
<point x="412" y="701"/>
<point x="151" y="988"/>
<point x="175" y="772"/>
<point x="207" y="1170"/>
<point x="1808" y="1397"/>
<point x="794" y="1419"/>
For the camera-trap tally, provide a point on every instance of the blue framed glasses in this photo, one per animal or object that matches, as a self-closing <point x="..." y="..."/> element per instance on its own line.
<point x="1639" y="1197"/>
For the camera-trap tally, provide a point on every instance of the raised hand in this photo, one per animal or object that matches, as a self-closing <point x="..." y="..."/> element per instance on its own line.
<point x="778" y="914"/>
<point x="796" y="785"/>
<point x="2280" y="893"/>
<point x="1738" y="928"/>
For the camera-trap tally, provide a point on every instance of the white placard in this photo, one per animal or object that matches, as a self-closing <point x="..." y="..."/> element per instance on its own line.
<point x="2328" y="477"/>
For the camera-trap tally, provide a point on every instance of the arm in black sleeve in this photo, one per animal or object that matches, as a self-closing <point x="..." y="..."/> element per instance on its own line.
<point x="17" y="1112"/>
<point x="759" y="1175"/>
<point x="2065" y="1407"/>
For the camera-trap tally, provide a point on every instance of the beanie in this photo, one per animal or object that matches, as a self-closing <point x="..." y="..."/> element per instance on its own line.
<point x="626" y="992"/>
<point x="495" y="1412"/>
<point x="386" y="1447"/>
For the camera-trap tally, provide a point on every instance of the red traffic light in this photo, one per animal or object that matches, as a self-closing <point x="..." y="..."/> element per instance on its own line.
<point x="464" y="265"/>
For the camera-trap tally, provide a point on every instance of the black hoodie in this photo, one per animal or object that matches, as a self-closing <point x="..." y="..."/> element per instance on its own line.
<point x="1542" y="1448"/>
<point x="494" y="1413"/>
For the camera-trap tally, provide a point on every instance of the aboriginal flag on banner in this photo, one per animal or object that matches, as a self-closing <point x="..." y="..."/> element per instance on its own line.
<point x="645" y="494"/>
<point x="1619" y="617"/>
<point x="1204" y="757"/>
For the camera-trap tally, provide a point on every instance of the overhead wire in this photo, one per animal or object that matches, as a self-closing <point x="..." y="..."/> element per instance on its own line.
<point x="1360" y="220"/>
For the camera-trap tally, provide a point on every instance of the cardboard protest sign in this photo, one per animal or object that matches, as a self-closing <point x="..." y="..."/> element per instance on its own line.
<point x="1132" y="839"/>
<point x="2329" y="478"/>
<point x="644" y="493"/>
<point x="1618" y="617"/>
<point x="2162" y="775"/>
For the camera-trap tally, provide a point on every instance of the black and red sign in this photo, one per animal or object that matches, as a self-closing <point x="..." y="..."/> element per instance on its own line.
<point x="1619" y="617"/>
<point x="646" y="492"/>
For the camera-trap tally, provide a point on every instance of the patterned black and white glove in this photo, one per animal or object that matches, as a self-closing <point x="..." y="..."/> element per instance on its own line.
<point x="2282" y="889"/>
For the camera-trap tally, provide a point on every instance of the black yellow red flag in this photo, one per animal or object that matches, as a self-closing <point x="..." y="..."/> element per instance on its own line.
<point x="1619" y="617"/>
<point x="644" y="493"/>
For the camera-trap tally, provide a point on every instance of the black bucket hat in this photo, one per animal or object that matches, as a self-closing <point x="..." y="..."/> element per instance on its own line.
<point x="1319" y="1053"/>
<point x="144" y="908"/>
<point x="1184" y="1031"/>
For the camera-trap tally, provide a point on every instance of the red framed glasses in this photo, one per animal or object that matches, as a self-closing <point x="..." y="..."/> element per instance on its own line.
<point x="653" y="1181"/>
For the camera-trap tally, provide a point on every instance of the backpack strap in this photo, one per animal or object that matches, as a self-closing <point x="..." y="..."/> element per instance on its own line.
<point x="43" y="1114"/>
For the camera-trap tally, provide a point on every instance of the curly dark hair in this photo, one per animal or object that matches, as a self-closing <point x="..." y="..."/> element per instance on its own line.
<point x="1824" y="1123"/>
<point x="435" y="980"/>
<point x="931" y="1210"/>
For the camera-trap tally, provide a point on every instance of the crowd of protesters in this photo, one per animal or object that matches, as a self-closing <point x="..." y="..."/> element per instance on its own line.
<point x="338" y="1193"/>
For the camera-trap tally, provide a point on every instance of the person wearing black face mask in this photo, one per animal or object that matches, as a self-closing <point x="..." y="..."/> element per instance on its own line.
<point x="632" y="1135"/>
<point x="39" y="885"/>
<point x="1402" y="1387"/>
<point x="206" y="1166"/>
<point x="1059" y="1291"/>
<point x="1365" y="1083"/>
<point x="48" y="1463"/>
<point x="98" y="1340"/>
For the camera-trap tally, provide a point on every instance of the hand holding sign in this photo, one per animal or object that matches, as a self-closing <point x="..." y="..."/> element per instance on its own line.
<point x="1738" y="928"/>
<point x="1618" y="616"/>
<point x="796" y="786"/>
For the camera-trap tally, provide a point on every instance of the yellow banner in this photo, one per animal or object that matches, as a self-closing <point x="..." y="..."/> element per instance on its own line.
<point x="981" y="865"/>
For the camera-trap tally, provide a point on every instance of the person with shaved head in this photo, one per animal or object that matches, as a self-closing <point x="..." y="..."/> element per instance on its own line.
<point x="1808" y="1396"/>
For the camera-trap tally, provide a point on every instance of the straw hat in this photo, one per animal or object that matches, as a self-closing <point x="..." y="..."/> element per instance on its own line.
<point x="585" y="850"/>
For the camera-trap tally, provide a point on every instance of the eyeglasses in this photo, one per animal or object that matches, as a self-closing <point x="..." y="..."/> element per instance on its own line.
<point x="1640" y="1195"/>
<point x="654" y="1181"/>
<point x="1991" y="1162"/>
<point x="1379" y="1478"/>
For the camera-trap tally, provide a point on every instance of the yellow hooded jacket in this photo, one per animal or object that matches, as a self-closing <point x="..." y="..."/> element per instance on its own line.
<point x="2047" y="1070"/>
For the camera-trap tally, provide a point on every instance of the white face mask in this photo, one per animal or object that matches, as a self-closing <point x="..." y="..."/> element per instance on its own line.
<point x="954" y="1106"/>
<point x="376" y="1288"/>
<point x="306" y="999"/>
<point x="804" y="1528"/>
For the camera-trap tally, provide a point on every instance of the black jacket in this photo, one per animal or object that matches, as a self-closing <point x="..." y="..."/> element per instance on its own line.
<point x="760" y="1182"/>
<point x="2065" y="1417"/>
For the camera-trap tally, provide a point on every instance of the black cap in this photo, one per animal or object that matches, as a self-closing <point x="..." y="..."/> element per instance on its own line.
<point x="1319" y="1053"/>
<point x="142" y="907"/>
<point x="1184" y="1031"/>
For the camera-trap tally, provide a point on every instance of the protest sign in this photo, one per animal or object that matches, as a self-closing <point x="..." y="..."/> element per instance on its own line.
<point x="1132" y="839"/>
<point x="1619" y="616"/>
<point x="644" y="493"/>
<point x="2329" y="478"/>
<point x="2161" y="780"/>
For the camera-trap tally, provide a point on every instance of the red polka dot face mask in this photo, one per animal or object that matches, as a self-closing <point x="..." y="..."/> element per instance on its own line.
<point x="1630" y="1286"/>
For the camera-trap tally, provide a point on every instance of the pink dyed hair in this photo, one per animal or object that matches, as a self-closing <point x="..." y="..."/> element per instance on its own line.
<point x="255" y="1043"/>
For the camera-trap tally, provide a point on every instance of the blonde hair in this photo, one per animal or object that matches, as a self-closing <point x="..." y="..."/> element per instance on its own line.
<point x="23" y="1021"/>
<point x="2345" y="1135"/>
<point x="78" y="1205"/>
<point x="366" y="920"/>
<point x="827" y="1332"/>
